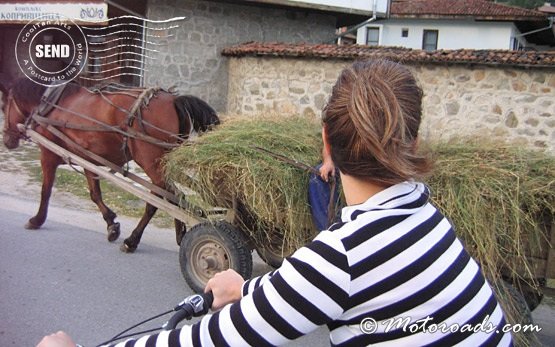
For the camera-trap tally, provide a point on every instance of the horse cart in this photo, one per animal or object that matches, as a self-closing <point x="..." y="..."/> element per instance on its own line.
<point x="210" y="245"/>
<point x="209" y="241"/>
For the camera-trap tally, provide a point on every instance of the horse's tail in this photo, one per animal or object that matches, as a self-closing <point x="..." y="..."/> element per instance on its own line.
<point x="197" y="111"/>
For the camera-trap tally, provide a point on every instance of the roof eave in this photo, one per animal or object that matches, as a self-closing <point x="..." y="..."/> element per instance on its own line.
<point x="474" y="17"/>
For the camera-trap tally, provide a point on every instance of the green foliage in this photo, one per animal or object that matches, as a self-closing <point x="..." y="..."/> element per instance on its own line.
<point x="532" y="4"/>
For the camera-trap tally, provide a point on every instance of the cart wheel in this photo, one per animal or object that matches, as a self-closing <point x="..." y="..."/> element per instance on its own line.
<point x="532" y="296"/>
<point x="271" y="255"/>
<point x="517" y="308"/>
<point x="271" y="250"/>
<point x="207" y="249"/>
<point x="509" y="293"/>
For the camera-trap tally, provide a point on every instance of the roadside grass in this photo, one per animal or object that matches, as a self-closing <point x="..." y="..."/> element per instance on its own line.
<point x="26" y="158"/>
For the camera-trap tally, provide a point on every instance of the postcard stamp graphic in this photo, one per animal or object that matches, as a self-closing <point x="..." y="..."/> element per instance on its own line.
<point x="51" y="50"/>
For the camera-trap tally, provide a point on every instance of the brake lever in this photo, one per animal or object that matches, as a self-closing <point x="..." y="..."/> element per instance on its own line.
<point x="192" y="306"/>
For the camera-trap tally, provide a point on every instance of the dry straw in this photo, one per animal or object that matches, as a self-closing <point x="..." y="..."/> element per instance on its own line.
<point x="501" y="200"/>
<point x="270" y="194"/>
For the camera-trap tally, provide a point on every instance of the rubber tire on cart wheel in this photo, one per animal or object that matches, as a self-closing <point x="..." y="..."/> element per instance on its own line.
<point x="208" y="248"/>
<point x="521" y="312"/>
<point x="271" y="250"/>
<point x="270" y="256"/>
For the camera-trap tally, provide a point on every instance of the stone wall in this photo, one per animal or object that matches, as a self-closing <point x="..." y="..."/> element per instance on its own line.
<point x="505" y="103"/>
<point x="191" y="59"/>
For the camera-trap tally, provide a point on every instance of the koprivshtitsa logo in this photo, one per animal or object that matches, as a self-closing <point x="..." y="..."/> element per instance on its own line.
<point x="51" y="52"/>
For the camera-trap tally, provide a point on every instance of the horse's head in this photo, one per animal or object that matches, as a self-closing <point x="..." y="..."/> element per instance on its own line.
<point x="22" y="98"/>
<point x="202" y="115"/>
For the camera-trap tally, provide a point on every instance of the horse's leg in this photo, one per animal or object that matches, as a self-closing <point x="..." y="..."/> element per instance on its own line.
<point x="130" y="244"/>
<point x="49" y="162"/>
<point x="108" y="215"/>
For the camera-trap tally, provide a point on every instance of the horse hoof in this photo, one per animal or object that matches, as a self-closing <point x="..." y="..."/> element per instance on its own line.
<point x="31" y="226"/>
<point x="113" y="232"/>
<point x="127" y="249"/>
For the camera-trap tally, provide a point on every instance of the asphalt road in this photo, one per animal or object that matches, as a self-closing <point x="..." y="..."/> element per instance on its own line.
<point x="66" y="276"/>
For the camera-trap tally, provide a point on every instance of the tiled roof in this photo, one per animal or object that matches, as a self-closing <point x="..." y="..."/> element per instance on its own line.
<point x="550" y="9"/>
<point x="404" y="55"/>
<point x="478" y="9"/>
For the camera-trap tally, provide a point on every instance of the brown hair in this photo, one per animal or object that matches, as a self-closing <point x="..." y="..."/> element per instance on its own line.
<point x="371" y="121"/>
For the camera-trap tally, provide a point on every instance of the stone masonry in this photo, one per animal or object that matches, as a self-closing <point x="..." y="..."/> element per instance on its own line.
<point x="191" y="59"/>
<point x="505" y="103"/>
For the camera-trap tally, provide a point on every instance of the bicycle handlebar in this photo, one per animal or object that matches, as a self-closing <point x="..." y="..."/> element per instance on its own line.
<point x="192" y="306"/>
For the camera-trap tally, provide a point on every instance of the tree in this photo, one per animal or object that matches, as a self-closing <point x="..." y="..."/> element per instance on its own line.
<point x="523" y="3"/>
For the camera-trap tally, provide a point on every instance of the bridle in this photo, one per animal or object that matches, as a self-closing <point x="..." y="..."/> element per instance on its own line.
<point x="9" y="102"/>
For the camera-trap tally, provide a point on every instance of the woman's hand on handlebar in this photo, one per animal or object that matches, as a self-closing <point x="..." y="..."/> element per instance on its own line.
<point x="227" y="288"/>
<point x="59" y="339"/>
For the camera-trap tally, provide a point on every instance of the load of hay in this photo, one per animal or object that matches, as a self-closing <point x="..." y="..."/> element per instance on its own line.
<point x="270" y="195"/>
<point x="501" y="200"/>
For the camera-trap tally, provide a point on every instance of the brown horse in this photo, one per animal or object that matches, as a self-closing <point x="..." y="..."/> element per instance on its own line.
<point x="159" y="116"/>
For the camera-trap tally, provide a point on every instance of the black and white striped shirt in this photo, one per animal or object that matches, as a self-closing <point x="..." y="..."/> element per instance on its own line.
<point x="393" y="262"/>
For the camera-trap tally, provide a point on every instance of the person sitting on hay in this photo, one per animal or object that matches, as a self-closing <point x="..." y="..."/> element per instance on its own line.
<point x="323" y="192"/>
<point x="392" y="271"/>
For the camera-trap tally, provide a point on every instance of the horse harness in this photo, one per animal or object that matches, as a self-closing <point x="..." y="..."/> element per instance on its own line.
<point x="49" y="102"/>
<point x="51" y="97"/>
<point x="9" y="102"/>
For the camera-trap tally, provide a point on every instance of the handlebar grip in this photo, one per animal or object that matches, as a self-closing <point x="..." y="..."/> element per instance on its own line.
<point x="193" y="306"/>
<point x="175" y="319"/>
<point x="208" y="300"/>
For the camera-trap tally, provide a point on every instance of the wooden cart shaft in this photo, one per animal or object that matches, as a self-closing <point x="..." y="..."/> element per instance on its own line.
<point x="173" y="210"/>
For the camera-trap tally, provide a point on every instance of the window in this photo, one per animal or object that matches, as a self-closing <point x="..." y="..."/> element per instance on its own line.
<point x="429" y="40"/>
<point x="95" y="61"/>
<point x="517" y="45"/>
<point x="373" y="36"/>
<point x="405" y="32"/>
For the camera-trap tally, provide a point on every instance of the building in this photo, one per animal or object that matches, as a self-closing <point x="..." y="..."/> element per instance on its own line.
<point x="454" y="24"/>
<point x="191" y="59"/>
<point x="14" y="15"/>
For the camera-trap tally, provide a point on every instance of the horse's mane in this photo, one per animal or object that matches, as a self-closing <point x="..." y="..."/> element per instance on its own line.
<point x="201" y="114"/>
<point x="28" y="92"/>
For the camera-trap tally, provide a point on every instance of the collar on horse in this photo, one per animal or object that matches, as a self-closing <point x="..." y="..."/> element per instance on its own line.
<point x="49" y="99"/>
